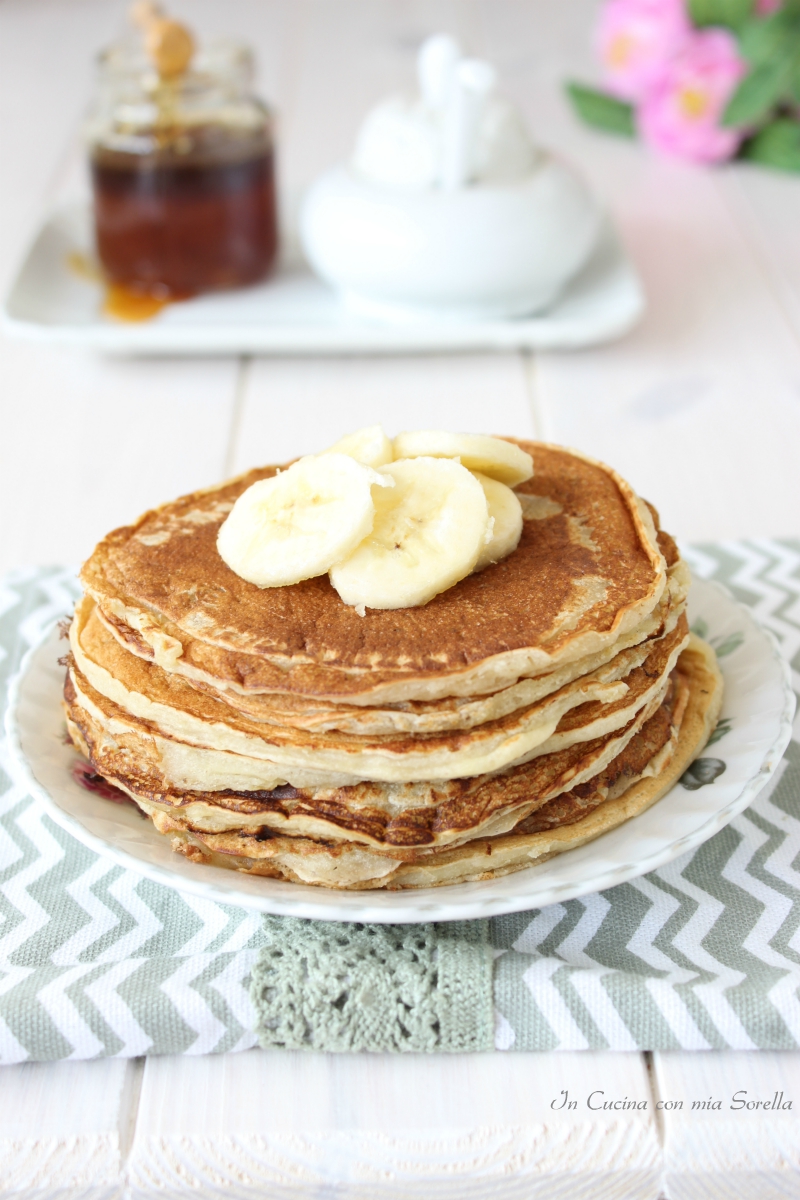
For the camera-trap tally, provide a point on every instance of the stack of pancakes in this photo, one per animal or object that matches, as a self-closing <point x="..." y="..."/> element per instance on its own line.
<point x="522" y="712"/>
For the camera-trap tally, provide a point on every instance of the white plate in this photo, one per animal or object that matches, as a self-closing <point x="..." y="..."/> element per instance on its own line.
<point x="294" y="312"/>
<point x="756" y="727"/>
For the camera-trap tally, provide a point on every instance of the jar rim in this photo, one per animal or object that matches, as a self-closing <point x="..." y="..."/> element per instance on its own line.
<point x="223" y="60"/>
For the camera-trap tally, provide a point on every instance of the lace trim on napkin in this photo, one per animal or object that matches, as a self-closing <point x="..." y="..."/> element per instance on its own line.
<point x="333" y="986"/>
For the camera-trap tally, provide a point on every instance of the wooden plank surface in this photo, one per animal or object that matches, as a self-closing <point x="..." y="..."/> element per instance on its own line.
<point x="66" y="1128"/>
<point x="366" y="1126"/>
<point x="765" y="205"/>
<point x="290" y="406"/>
<point x="98" y="442"/>
<point x="720" y="1142"/>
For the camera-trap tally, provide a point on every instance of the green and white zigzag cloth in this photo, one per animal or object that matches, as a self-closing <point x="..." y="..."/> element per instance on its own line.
<point x="703" y="953"/>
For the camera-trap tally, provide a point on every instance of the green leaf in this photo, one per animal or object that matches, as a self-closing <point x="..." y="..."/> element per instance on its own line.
<point x="723" y="727"/>
<point x="601" y="110"/>
<point x="794" y="83"/>
<point x="776" y="145"/>
<point x="759" y="92"/>
<point x="731" y="13"/>
<point x="765" y="38"/>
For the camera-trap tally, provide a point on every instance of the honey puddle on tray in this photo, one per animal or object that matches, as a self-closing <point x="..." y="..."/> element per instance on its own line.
<point x="120" y="302"/>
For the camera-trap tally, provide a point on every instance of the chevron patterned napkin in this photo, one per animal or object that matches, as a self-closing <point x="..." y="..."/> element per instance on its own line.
<point x="703" y="953"/>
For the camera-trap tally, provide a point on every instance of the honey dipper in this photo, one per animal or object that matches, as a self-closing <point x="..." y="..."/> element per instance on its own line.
<point x="169" y="44"/>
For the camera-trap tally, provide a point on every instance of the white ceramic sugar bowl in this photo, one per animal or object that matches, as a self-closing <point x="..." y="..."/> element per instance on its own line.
<point x="447" y="209"/>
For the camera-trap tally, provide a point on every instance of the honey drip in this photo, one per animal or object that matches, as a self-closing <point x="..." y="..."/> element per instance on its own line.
<point x="121" y="302"/>
<point x="125" y="304"/>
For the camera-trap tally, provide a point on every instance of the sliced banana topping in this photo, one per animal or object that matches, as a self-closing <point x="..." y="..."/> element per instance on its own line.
<point x="297" y="524"/>
<point x="438" y="509"/>
<point x="505" y="513"/>
<point x="369" y="446"/>
<point x="478" y="452"/>
<point x="428" y="533"/>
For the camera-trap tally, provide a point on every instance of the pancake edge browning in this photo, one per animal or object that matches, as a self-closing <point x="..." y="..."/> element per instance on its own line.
<point x="150" y="632"/>
<point x="448" y="813"/>
<point x="138" y="684"/>
<point x="160" y="713"/>
<point x="118" y="747"/>
<point x="514" y="851"/>
<point x="453" y="823"/>
<point x="468" y="684"/>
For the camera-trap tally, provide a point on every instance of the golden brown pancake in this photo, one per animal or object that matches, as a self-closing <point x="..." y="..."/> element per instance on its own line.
<point x="588" y="570"/>
<point x="419" y="814"/>
<point x="276" y="731"/>
<point x="259" y="849"/>
<point x="628" y="786"/>
<point x="119" y="675"/>
<point x="155" y="703"/>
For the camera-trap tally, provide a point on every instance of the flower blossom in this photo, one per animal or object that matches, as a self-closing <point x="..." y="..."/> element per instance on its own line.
<point x="681" y="113"/>
<point x="635" y="38"/>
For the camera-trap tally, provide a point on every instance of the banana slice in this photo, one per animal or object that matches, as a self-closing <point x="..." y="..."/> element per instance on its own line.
<point x="428" y="533"/>
<point x="505" y="511"/>
<point x="478" y="452"/>
<point x="299" y="523"/>
<point x="369" y="446"/>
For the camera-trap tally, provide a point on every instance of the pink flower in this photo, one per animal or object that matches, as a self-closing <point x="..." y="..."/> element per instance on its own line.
<point x="765" y="7"/>
<point x="635" y="38"/>
<point x="680" y="115"/>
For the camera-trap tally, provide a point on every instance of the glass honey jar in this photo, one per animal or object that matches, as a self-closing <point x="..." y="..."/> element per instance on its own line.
<point x="183" y="172"/>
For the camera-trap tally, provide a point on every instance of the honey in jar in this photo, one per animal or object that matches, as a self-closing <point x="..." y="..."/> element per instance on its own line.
<point x="183" y="178"/>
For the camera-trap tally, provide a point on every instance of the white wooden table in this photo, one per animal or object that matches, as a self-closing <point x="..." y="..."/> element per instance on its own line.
<point x="700" y="409"/>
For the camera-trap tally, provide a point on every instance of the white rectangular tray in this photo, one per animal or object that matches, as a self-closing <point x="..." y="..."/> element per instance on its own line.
<point x="293" y="312"/>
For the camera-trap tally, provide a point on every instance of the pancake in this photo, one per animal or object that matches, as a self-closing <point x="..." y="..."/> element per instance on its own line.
<point x="408" y="814"/>
<point x="148" y="701"/>
<point x="107" y="663"/>
<point x="345" y="865"/>
<point x="275" y="731"/>
<point x="631" y="783"/>
<point x="588" y="570"/>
